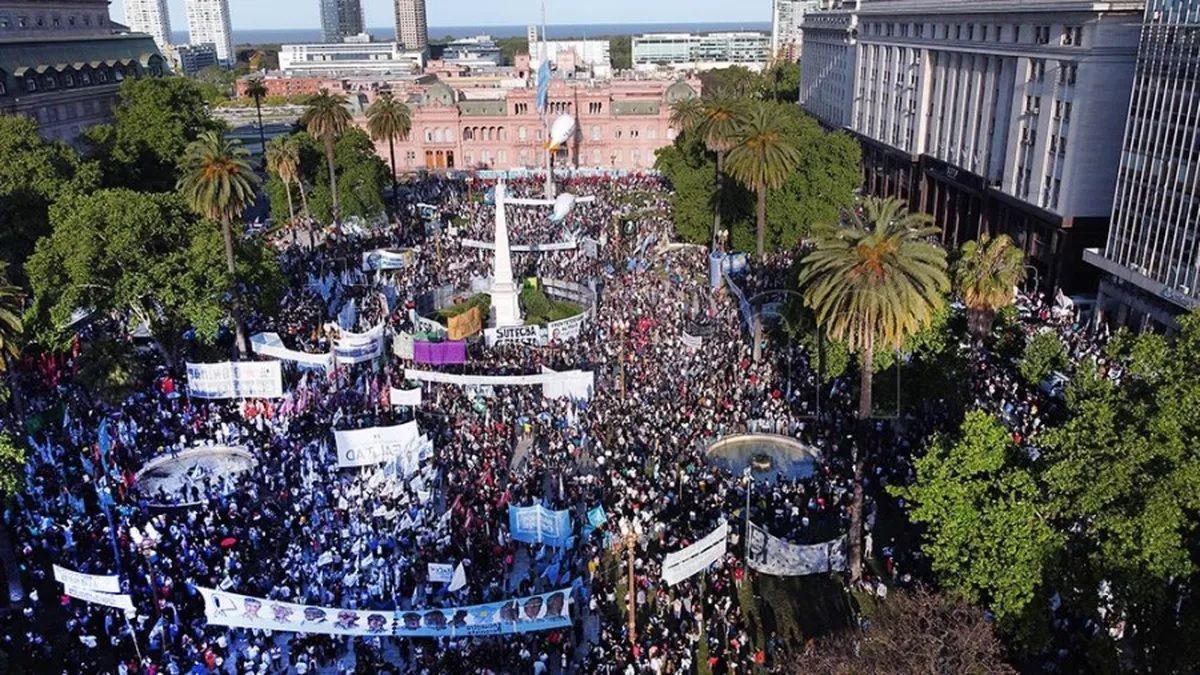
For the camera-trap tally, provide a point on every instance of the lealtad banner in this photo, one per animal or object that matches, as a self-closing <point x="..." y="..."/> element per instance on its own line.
<point x="100" y="583"/>
<point x="547" y="611"/>
<point x="540" y="525"/>
<point x="247" y="379"/>
<point x="683" y="564"/>
<point x="771" y="555"/>
<point x="375" y="445"/>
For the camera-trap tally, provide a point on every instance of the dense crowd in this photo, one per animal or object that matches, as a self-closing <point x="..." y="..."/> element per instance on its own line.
<point x="294" y="528"/>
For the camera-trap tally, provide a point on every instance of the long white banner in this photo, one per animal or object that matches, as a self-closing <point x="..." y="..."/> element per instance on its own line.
<point x="534" y="336"/>
<point x="270" y="344"/>
<point x="683" y="564"/>
<point x="521" y="248"/>
<point x="353" y="348"/>
<point x="506" y="617"/>
<point x="567" y="329"/>
<point x="117" y="600"/>
<point x="248" y="379"/>
<point x="375" y="445"/>
<point x="410" y="397"/>
<point x="109" y="583"/>
<point x="771" y="555"/>
<point x="574" y="384"/>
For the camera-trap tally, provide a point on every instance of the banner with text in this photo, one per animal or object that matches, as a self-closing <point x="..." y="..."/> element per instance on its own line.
<point x="410" y="397"/>
<point x="685" y="563"/>
<point x="440" y="353"/>
<point x="507" y="617"/>
<point x="533" y="336"/>
<point x="353" y="348"/>
<point x="375" y="445"/>
<point x="466" y="324"/>
<point x="567" y="329"/>
<point x="247" y="379"/>
<point x="386" y="259"/>
<point x="98" y="583"/>
<point x="270" y="344"/>
<point x="539" y="525"/>
<point x="771" y="555"/>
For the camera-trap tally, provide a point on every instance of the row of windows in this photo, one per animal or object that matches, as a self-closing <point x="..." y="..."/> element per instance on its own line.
<point x="71" y="78"/>
<point x="41" y="21"/>
<point x="1068" y="36"/>
<point x="445" y="135"/>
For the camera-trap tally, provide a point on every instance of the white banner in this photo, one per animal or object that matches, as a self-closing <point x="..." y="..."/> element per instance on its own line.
<point x="521" y="248"/>
<point x="248" y="379"/>
<point x="269" y="344"/>
<point x="87" y="582"/>
<point x="681" y="565"/>
<point x="354" y="348"/>
<point x="774" y="556"/>
<point x="375" y="445"/>
<point x="515" y="335"/>
<point x="441" y="573"/>
<point x="406" y="396"/>
<point x="568" y="384"/>
<point x="567" y="329"/>
<point x="117" y="600"/>
<point x="385" y="259"/>
<point x="402" y="346"/>
<point x="548" y="611"/>
<point x="692" y="342"/>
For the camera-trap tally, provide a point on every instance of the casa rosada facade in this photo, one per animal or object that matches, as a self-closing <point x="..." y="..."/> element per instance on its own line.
<point x="620" y="124"/>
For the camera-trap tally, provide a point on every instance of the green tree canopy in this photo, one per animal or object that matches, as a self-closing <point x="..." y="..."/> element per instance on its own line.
<point x="363" y="176"/>
<point x="781" y="82"/>
<point x="12" y="465"/>
<point x="145" y="257"/>
<point x="156" y="119"/>
<point x="986" y="533"/>
<point x="1044" y="354"/>
<point x="34" y="174"/>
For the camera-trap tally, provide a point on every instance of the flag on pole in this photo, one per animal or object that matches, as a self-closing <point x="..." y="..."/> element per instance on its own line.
<point x="543" y="85"/>
<point x="460" y="578"/>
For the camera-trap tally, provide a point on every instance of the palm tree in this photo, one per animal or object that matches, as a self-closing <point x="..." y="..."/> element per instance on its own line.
<point x="283" y="160"/>
<point x="390" y="120"/>
<point x="326" y="119"/>
<point x="718" y="126"/>
<point x="217" y="183"/>
<point x="763" y="158"/>
<point x="987" y="274"/>
<point x="686" y="115"/>
<point x="256" y="90"/>
<point x="871" y="285"/>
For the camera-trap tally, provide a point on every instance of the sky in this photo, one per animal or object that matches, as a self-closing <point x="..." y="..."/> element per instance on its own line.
<point x="256" y="14"/>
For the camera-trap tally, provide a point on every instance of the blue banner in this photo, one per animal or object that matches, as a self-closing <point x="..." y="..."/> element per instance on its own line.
<point x="597" y="517"/>
<point x="540" y="525"/>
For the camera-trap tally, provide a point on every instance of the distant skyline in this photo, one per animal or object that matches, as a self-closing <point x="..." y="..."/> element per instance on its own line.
<point x="291" y="14"/>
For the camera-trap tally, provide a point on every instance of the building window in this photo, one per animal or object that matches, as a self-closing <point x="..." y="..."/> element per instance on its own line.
<point x="521" y="108"/>
<point x="1037" y="70"/>
<point x="1041" y="35"/>
<point x="1068" y="74"/>
<point x="85" y="78"/>
<point x="1072" y="36"/>
<point x="595" y="107"/>
<point x="595" y="133"/>
<point x="3" y="87"/>
<point x="522" y="133"/>
<point x="30" y="84"/>
<point x="69" y="80"/>
<point x="50" y="82"/>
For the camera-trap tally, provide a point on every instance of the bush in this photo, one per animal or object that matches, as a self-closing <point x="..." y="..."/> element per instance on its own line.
<point x="540" y="309"/>
<point x="482" y="300"/>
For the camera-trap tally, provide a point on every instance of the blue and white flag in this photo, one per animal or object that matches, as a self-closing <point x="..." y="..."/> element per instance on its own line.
<point x="540" y="525"/>
<point x="597" y="517"/>
<point x="543" y="86"/>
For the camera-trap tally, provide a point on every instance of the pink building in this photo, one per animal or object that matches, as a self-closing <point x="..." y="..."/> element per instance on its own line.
<point x="621" y="123"/>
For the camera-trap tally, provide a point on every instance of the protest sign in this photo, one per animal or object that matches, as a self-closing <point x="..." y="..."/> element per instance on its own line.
<point x="540" y="525"/>
<point x="247" y="379"/>
<point x="98" y="583"/>
<point x="270" y="344"/>
<point x="681" y="565"/>
<point x="771" y="555"/>
<point x="375" y="445"/>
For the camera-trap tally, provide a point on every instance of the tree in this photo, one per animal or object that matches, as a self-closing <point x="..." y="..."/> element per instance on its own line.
<point x="362" y="176"/>
<point x="155" y="121"/>
<point x="781" y="82"/>
<point x="873" y="284"/>
<point x="218" y="184"/>
<point x="719" y="127"/>
<point x="326" y="120"/>
<point x="1044" y="355"/>
<point x="734" y="82"/>
<point x="257" y="91"/>
<point x="389" y="120"/>
<point x="986" y="528"/>
<point x="763" y="158"/>
<point x="912" y="632"/>
<point x="11" y="327"/>
<point x="987" y="274"/>
<point x="686" y="115"/>
<point x="34" y="174"/>
<point x="283" y="161"/>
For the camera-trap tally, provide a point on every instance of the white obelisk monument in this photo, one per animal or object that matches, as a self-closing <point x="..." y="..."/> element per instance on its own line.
<point x="504" y="289"/>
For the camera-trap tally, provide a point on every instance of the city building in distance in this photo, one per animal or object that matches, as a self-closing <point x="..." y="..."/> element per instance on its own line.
<point x="593" y="56"/>
<point x="480" y="51"/>
<point x="412" y="31"/>
<point x="341" y="19"/>
<point x="153" y="18"/>
<point x="355" y="56"/>
<point x="787" y="19"/>
<point x="1152" y="258"/>
<point x="65" y="73"/>
<point x="993" y="116"/>
<point x="191" y="59"/>
<point x="621" y="124"/>
<point x="208" y="22"/>
<point x="828" y="62"/>
<point x="691" y="51"/>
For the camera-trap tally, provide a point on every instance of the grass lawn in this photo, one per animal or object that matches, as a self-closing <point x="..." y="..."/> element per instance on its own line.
<point x="483" y="300"/>
<point x="541" y="309"/>
<point x="794" y="609"/>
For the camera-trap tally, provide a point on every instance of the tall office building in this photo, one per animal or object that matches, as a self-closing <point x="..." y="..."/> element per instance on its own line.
<point x="411" y="28"/>
<point x="341" y="19"/>
<point x="1152" y="257"/>
<point x="827" y="63"/>
<point x="150" y="17"/>
<point x="208" y="22"/>
<point x="787" y="17"/>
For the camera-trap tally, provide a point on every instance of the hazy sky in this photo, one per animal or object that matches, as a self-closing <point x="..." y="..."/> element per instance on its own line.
<point x="303" y="13"/>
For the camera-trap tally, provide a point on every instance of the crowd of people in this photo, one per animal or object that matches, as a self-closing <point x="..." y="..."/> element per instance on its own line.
<point x="295" y="528"/>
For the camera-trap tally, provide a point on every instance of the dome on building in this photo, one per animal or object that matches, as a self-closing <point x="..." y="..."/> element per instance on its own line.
<point x="440" y="94"/>
<point x="680" y="91"/>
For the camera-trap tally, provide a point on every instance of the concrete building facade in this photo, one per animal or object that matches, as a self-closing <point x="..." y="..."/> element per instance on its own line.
<point x="691" y="51"/>
<point x="412" y="30"/>
<point x="63" y="61"/>
<point x="208" y="22"/>
<point x="828" y="62"/>
<point x="1151" y="259"/>
<point x="341" y="19"/>
<point x="151" y="17"/>
<point x="191" y="59"/>
<point x="787" y="21"/>
<point x="349" y="58"/>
